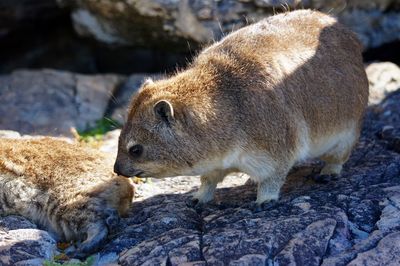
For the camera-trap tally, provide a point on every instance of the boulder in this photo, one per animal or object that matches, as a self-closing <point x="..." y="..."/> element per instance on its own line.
<point x="384" y="78"/>
<point x="50" y="102"/>
<point x="180" y="25"/>
<point x="21" y="243"/>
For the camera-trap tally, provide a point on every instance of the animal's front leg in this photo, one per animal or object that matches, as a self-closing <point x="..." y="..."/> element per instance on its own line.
<point x="269" y="186"/>
<point x="208" y="185"/>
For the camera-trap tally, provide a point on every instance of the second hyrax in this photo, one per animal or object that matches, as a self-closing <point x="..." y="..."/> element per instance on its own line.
<point x="65" y="188"/>
<point x="288" y="88"/>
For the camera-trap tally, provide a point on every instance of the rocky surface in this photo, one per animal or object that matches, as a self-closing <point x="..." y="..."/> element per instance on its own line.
<point x="21" y="243"/>
<point x="175" y="24"/>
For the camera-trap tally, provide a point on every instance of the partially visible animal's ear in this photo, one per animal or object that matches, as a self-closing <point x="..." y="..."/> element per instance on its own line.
<point x="164" y="111"/>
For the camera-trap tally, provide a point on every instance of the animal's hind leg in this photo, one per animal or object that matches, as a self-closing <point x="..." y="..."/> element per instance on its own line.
<point x="336" y="157"/>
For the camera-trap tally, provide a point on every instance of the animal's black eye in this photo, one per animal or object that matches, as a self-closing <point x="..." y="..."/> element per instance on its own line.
<point x="136" y="150"/>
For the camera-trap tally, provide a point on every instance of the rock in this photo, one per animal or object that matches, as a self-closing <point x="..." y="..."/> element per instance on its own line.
<point x="14" y="222"/>
<point x="309" y="246"/>
<point x="119" y="105"/>
<point x="390" y="217"/>
<point x="387" y="252"/>
<point x="50" y="102"/>
<point x="109" y="143"/>
<point x="175" y="24"/>
<point x="384" y="78"/>
<point x="25" y="247"/>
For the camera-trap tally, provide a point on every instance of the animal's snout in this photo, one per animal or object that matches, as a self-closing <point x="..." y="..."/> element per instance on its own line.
<point x="119" y="169"/>
<point x="125" y="170"/>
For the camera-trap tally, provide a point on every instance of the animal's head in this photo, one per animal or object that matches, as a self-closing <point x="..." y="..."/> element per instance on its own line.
<point x="159" y="138"/>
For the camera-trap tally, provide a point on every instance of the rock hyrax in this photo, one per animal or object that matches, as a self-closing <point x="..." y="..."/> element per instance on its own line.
<point x="65" y="188"/>
<point x="285" y="89"/>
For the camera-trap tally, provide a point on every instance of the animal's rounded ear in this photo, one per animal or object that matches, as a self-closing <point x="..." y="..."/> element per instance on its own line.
<point x="164" y="111"/>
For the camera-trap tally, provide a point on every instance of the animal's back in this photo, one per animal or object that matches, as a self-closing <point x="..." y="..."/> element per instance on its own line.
<point x="301" y="70"/>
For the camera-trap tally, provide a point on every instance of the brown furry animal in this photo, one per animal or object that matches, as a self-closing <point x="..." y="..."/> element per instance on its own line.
<point x="288" y="88"/>
<point x="68" y="189"/>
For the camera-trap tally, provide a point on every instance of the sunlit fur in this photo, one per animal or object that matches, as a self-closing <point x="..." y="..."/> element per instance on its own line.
<point x="68" y="189"/>
<point x="285" y="89"/>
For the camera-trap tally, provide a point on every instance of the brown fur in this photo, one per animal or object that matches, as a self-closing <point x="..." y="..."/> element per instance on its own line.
<point x="68" y="189"/>
<point x="285" y="89"/>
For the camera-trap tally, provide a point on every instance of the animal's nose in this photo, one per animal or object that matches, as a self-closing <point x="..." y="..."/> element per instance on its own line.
<point x="122" y="169"/>
<point x="117" y="168"/>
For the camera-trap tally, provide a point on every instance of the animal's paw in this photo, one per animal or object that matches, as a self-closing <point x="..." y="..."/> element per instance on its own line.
<point x="194" y="203"/>
<point x="323" y="179"/>
<point x="191" y="202"/>
<point x="264" y="206"/>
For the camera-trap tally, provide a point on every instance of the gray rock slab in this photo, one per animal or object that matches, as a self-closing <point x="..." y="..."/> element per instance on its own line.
<point x="14" y="222"/>
<point x="387" y="252"/>
<point x="50" y="102"/>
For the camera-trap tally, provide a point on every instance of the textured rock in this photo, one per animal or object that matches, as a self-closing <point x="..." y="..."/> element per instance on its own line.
<point x="50" y="102"/>
<point x="387" y="252"/>
<point x="384" y="78"/>
<point x="25" y="247"/>
<point x="163" y="23"/>
<point x="13" y="222"/>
